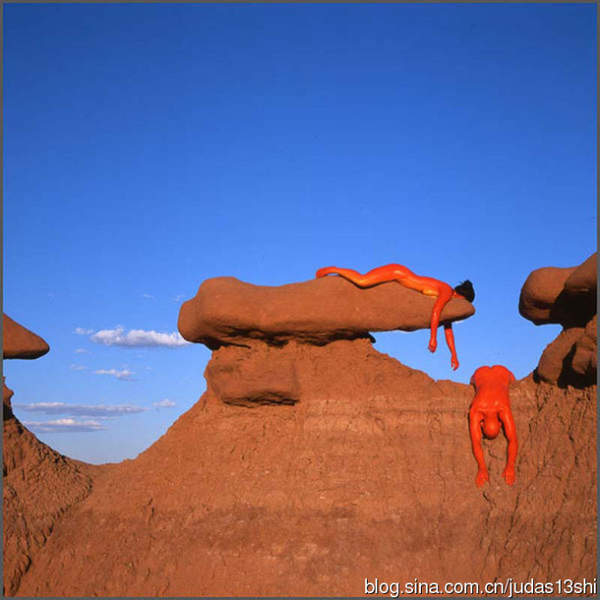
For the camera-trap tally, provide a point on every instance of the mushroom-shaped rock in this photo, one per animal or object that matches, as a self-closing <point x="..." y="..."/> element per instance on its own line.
<point x="226" y="310"/>
<point x="19" y="342"/>
<point x="540" y="293"/>
<point x="566" y="296"/>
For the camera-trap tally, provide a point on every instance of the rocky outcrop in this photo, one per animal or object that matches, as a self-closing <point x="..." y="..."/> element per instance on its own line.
<point x="583" y="279"/>
<point x="313" y="462"/>
<point x="39" y="484"/>
<point x="228" y="311"/>
<point x="19" y="342"/>
<point x="247" y="324"/>
<point x="255" y="373"/>
<point x="585" y="356"/>
<point x="568" y="297"/>
<point x="368" y="474"/>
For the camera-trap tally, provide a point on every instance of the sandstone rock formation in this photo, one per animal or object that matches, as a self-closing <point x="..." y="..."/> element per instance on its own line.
<point x="369" y="474"/>
<point x="39" y="484"/>
<point x="565" y="296"/>
<point x="19" y="342"/>
<point x="228" y="311"/>
<point x="312" y="463"/>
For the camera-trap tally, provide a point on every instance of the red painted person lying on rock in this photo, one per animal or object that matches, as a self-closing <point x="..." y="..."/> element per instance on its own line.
<point x="491" y="408"/>
<point x="425" y="285"/>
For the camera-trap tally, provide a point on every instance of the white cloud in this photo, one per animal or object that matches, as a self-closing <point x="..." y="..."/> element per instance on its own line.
<point x="77" y="367"/>
<point x="86" y="410"/>
<point x="80" y="351"/>
<point x="82" y="331"/>
<point x="179" y="297"/>
<point x="63" y="426"/>
<point x="137" y="337"/>
<point x="166" y="403"/>
<point x="124" y="374"/>
<point x="147" y="296"/>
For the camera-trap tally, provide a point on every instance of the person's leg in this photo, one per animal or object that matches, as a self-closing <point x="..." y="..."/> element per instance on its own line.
<point x="373" y="277"/>
<point x="440" y="302"/>
<point x="450" y="341"/>
<point x="329" y="270"/>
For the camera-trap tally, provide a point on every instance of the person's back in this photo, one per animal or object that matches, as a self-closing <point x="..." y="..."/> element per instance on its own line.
<point x="497" y="376"/>
<point x="490" y="410"/>
<point x="491" y="386"/>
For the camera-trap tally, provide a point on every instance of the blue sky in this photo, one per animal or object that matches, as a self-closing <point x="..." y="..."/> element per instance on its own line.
<point x="148" y="147"/>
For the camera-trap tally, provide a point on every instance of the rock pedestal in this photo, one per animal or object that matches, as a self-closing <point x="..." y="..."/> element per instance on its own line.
<point x="566" y="296"/>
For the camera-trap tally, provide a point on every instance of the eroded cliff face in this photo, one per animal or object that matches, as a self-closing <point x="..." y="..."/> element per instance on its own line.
<point x="39" y="484"/>
<point x="369" y="473"/>
<point x="307" y="467"/>
<point x="39" y="487"/>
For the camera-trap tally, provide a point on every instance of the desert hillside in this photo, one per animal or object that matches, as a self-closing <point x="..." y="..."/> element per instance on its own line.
<point x="313" y="461"/>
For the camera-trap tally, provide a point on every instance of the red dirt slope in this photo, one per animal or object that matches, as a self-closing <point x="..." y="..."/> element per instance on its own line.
<point x="369" y="474"/>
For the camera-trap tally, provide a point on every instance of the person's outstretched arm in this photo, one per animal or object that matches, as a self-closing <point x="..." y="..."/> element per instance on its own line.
<point x="450" y="341"/>
<point x="475" y="427"/>
<point x="511" y="435"/>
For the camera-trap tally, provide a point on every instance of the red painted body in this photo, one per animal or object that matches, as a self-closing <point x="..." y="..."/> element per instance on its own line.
<point x="404" y="276"/>
<point x="490" y="410"/>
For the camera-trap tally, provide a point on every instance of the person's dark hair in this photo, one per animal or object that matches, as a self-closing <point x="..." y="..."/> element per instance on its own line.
<point x="466" y="289"/>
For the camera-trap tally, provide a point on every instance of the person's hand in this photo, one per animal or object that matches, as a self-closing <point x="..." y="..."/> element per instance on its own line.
<point x="482" y="477"/>
<point x="509" y="475"/>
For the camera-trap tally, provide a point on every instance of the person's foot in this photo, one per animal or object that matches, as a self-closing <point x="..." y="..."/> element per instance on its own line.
<point x="432" y="345"/>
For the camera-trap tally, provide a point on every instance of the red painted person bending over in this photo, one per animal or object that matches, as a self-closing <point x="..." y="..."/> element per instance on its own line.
<point x="425" y="285"/>
<point x="489" y="408"/>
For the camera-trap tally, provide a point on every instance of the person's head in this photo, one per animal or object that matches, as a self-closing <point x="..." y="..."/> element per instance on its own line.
<point x="465" y="289"/>
<point x="491" y="426"/>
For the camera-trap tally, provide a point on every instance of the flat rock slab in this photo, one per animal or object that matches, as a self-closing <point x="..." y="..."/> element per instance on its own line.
<point x="226" y="310"/>
<point x="19" y="342"/>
